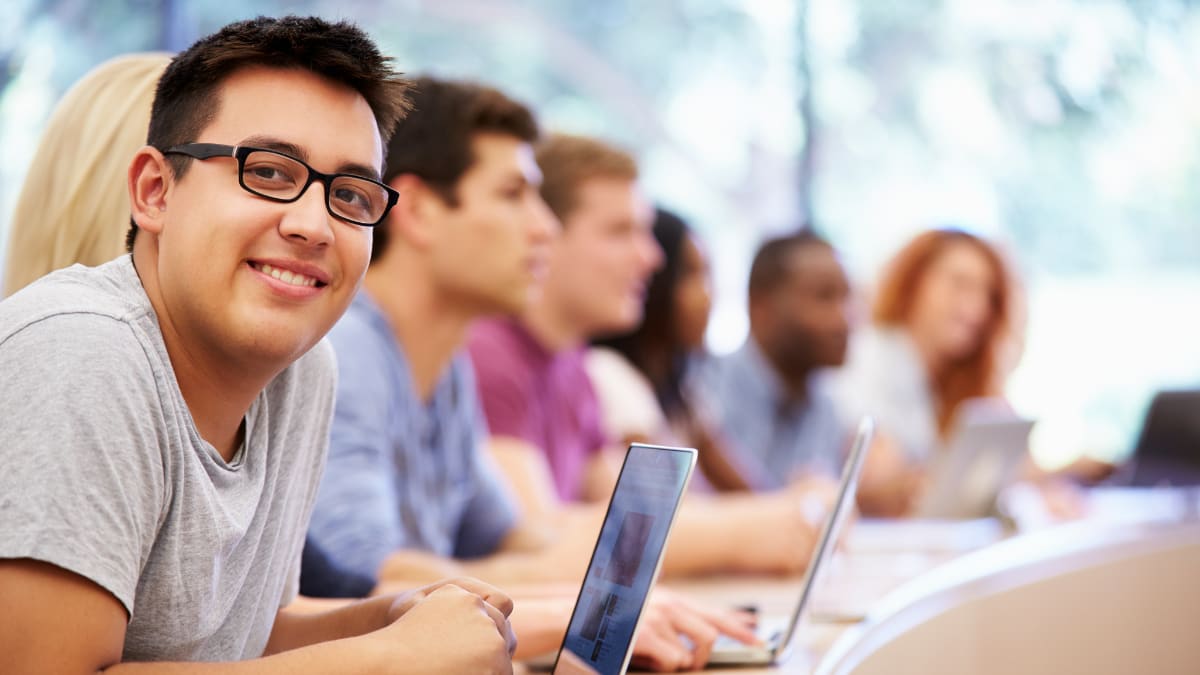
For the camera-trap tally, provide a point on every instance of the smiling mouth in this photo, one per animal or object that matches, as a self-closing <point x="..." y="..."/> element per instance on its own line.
<point x="287" y="276"/>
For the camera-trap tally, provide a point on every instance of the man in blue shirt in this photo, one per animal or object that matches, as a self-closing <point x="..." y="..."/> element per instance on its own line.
<point x="767" y="397"/>
<point x="405" y="467"/>
<point x="409" y="492"/>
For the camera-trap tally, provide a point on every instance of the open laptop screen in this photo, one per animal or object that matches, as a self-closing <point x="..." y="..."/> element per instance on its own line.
<point x="626" y="559"/>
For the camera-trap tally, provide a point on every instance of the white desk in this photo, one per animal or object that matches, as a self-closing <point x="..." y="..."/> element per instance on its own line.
<point x="1085" y="597"/>
<point x="1106" y="596"/>
<point x="1081" y="598"/>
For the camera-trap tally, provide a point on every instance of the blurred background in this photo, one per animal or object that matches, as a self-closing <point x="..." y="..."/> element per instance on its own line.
<point x="1068" y="130"/>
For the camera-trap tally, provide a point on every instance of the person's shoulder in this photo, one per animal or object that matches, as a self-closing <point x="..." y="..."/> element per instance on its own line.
<point x="363" y="342"/>
<point x="93" y="318"/>
<point x="718" y="370"/>
<point x="299" y="401"/>
<point x="606" y="359"/>
<point x="499" y="350"/>
<point x="357" y="327"/>
<point x="109" y="294"/>
<point x="822" y="385"/>
<point x="876" y="342"/>
<point x="494" y="336"/>
<point x="317" y="366"/>
<point x="610" y="370"/>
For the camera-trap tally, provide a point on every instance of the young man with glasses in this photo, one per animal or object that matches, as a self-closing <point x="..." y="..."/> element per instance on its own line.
<point x="165" y="415"/>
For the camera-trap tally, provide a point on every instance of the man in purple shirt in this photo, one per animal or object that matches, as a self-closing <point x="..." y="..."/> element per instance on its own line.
<point x="554" y="407"/>
<point x="540" y="407"/>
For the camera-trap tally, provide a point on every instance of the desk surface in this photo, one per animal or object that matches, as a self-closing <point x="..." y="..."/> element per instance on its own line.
<point x="877" y="573"/>
<point x="1021" y="567"/>
<point x="869" y="568"/>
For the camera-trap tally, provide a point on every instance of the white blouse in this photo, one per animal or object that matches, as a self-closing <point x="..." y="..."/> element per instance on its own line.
<point x="885" y="378"/>
<point x="628" y="405"/>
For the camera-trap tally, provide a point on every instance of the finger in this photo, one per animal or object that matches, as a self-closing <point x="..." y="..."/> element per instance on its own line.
<point x="403" y="602"/>
<point x="492" y="595"/>
<point x="660" y="653"/>
<point x="737" y="624"/>
<point x="701" y="632"/>
<point x="502" y="625"/>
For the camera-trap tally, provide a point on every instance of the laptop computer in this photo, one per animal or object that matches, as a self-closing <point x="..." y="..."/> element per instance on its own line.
<point x="1167" y="451"/>
<point x="984" y="456"/>
<point x="626" y="560"/>
<point x="776" y="633"/>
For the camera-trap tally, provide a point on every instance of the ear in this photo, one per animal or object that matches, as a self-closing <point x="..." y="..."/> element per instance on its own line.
<point x="415" y="218"/>
<point x="149" y="183"/>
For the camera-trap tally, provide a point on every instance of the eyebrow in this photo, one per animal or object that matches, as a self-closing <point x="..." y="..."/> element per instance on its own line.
<point x="278" y="145"/>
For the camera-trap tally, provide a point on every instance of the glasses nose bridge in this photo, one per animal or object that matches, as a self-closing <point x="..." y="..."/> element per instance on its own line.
<point x="314" y="176"/>
<point x="326" y="212"/>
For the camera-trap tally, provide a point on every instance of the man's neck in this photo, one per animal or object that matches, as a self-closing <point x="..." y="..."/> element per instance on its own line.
<point x="217" y="388"/>
<point x="218" y="404"/>
<point x="429" y="326"/>
<point x="793" y="377"/>
<point x="551" y="327"/>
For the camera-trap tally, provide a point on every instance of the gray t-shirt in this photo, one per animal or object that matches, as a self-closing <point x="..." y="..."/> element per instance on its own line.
<point x="105" y="475"/>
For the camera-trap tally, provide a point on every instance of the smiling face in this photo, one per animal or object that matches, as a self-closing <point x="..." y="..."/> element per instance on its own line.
<point x="237" y="276"/>
<point x="491" y="247"/>
<point x="604" y="257"/>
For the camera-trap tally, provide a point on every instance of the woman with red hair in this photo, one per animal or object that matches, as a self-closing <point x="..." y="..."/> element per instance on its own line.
<point x="943" y="330"/>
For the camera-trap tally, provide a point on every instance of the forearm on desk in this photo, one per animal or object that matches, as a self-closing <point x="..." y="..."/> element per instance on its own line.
<point x="540" y="624"/>
<point x="294" y="629"/>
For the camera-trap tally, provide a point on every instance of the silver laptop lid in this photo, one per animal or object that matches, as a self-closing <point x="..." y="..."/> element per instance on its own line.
<point x="626" y="560"/>
<point x="827" y="541"/>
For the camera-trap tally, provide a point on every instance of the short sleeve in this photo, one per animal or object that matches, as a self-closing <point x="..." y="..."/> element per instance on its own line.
<point x="356" y="517"/>
<point x="83" y="484"/>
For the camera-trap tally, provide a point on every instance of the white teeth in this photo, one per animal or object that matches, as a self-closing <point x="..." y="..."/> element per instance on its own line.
<point x="287" y="277"/>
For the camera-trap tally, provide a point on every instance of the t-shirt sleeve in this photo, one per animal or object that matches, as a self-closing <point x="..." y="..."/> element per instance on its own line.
<point x="83" y="484"/>
<point x="356" y="519"/>
<point x="491" y="512"/>
<point x="505" y="387"/>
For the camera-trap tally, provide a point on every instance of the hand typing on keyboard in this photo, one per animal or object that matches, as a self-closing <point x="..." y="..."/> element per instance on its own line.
<point x="677" y="634"/>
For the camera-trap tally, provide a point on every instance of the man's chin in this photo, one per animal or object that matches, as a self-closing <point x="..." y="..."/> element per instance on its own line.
<point x="617" y="326"/>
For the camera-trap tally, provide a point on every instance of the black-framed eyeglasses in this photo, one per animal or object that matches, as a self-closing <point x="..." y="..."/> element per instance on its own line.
<point x="273" y="175"/>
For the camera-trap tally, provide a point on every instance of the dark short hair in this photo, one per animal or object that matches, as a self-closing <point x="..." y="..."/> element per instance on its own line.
<point x="187" y="98"/>
<point x="772" y="263"/>
<point x="567" y="162"/>
<point x="433" y="142"/>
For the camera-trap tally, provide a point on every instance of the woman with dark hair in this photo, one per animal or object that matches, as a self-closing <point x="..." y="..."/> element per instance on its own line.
<point x="641" y="378"/>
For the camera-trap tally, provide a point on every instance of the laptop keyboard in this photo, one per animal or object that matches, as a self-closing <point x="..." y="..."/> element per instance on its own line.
<point x="768" y="634"/>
